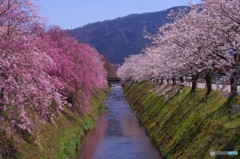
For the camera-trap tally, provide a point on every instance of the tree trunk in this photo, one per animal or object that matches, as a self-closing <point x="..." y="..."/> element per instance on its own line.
<point x="167" y="80"/>
<point x="209" y="82"/>
<point x="233" y="82"/>
<point x="217" y="82"/>
<point x="174" y="81"/>
<point x="181" y="82"/>
<point x="161" y="81"/>
<point x="181" y="79"/>
<point x="194" y="82"/>
<point x="1" y="96"/>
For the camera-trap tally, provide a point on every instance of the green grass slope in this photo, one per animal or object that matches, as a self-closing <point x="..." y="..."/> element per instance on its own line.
<point x="53" y="141"/>
<point x="187" y="125"/>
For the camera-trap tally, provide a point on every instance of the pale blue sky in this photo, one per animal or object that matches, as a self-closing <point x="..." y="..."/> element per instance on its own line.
<point x="75" y="13"/>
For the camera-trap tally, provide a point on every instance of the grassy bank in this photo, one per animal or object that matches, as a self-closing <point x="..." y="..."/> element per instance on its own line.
<point x="186" y="125"/>
<point x="56" y="141"/>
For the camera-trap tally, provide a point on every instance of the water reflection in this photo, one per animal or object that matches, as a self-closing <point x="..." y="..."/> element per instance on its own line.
<point x="93" y="139"/>
<point x="117" y="134"/>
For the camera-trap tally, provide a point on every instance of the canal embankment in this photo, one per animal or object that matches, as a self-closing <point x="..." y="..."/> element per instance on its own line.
<point x="184" y="124"/>
<point x="60" y="140"/>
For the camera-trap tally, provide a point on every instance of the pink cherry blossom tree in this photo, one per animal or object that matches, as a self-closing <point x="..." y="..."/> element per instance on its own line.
<point x="24" y="81"/>
<point x="40" y="68"/>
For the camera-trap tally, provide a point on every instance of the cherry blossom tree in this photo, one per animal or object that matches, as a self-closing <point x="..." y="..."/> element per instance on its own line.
<point x="79" y="66"/>
<point x="40" y="68"/>
<point x="24" y="81"/>
<point x="223" y="17"/>
<point x="199" y="43"/>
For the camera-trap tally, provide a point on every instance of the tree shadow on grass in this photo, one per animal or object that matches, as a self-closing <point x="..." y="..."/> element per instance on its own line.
<point x="230" y="146"/>
<point x="226" y="108"/>
<point x="7" y="148"/>
<point x="180" y="114"/>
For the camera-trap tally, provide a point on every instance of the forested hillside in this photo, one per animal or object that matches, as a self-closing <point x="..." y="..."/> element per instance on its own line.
<point x="121" y="37"/>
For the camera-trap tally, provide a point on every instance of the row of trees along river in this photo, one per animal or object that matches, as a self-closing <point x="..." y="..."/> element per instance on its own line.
<point x="42" y="69"/>
<point x="203" y="41"/>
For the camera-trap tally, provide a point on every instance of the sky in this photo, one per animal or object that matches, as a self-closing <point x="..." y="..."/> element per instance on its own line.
<point x="70" y="14"/>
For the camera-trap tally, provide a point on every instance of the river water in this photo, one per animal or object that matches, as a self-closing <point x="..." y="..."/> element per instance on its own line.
<point x="117" y="134"/>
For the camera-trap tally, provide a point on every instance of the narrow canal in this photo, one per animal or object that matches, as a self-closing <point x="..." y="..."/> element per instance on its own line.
<point x="117" y="134"/>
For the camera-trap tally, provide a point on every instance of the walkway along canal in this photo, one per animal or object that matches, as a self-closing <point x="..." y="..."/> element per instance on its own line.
<point x="117" y="134"/>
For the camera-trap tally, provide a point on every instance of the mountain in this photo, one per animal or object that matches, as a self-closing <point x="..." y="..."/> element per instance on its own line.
<point x="121" y="37"/>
